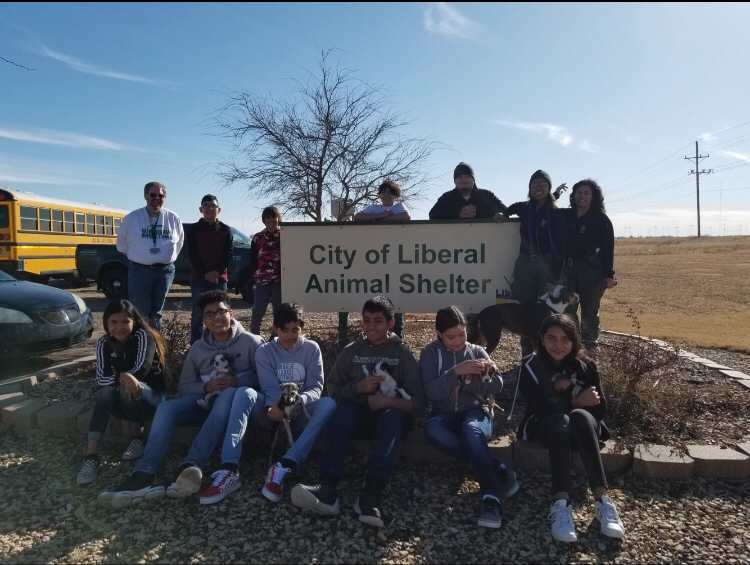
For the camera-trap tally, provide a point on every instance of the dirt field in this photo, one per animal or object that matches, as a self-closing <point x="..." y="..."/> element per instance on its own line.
<point x="692" y="291"/>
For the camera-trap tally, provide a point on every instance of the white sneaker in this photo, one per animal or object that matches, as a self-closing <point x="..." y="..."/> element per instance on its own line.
<point x="187" y="483"/>
<point x="606" y="513"/>
<point x="561" y="518"/>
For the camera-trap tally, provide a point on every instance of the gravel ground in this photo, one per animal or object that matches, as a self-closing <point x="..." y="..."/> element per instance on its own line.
<point x="430" y="517"/>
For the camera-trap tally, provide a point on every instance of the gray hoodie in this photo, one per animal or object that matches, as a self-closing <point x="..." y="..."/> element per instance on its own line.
<point x="302" y="364"/>
<point x="241" y="346"/>
<point x="359" y="359"/>
<point x="436" y="363"/>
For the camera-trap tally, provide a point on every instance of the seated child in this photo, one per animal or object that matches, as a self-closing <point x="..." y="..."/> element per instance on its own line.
<point x="288" y="358"/>
<point x="355" y="383"/>
<point x="459" y="426"/>
<point x="130" y="370"/>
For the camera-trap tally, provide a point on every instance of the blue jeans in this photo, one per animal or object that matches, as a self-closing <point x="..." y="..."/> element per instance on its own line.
<point x="264" y="293"/>
<point x="196" y="319"/>
<point x="388" y="427"/>
<point x="249" y="404"/>
<point x="464" y="435"/>
<point x="115" y="402"/>
<point x="185" y="412"/>
<point x="148" y="288"/>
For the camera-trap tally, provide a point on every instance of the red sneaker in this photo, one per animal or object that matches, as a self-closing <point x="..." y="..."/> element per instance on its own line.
<point x="225" y="482"/>
<point x="273" y="490"/>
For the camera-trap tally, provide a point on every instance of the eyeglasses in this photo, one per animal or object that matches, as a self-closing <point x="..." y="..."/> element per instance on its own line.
<point x="210" y="207"/>
<point x="160" y="196"/>
<point x="540" y="184"/>
<point x="220" y="313"/>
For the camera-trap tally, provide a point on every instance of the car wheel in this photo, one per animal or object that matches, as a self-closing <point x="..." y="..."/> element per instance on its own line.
<point x="246" y="289"/>
<point x="115" y="284"/>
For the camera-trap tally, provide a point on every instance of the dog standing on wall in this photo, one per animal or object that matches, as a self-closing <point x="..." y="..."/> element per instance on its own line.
<point x="222" y="368"/>
<point x="523" y="320"/>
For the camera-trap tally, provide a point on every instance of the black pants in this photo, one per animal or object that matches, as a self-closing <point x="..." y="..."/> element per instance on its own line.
<point x="562" y="434"/>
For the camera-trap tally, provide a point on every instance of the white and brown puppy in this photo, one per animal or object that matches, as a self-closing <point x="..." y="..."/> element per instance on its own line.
<point x="388" y="385"/>
<point x="480" y="387"/>
<point x="289" y="401"/>
<point x="222" y="367"/>
<point x="522" y="320"/>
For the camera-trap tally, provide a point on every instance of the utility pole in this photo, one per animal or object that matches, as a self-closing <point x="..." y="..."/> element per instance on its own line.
<point x="698" y="158"/>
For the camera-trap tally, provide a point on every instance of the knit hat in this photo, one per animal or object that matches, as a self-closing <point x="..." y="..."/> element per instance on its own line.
<point x="463" y="169"/>
<point x="540" y="174"/>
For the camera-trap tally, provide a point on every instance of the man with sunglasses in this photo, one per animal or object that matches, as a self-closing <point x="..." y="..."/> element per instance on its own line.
<point x="223" y="334"/>
<point x="151" y="237"/>
<point x="467" y="201"/>
<point x="209" y="244"/>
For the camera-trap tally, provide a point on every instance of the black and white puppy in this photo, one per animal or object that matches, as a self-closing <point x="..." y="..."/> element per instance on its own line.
<point x="388" y="385"/>
<point x="523" y="320"/>
<point x="290" y="399"/>
<point x="222" y="367"/>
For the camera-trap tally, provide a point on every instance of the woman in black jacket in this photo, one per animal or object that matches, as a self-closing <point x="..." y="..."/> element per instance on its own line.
<point x="590" y="255"/>
<point x="565" y="408"/>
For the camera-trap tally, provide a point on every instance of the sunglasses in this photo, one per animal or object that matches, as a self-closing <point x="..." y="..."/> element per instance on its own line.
<point x="160" y="196"/>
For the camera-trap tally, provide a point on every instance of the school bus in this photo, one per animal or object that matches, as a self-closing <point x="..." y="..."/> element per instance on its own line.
<point x="39" y="234"/>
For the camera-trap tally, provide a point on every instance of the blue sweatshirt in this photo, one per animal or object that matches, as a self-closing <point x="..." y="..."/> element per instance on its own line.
<point x="302" y="364"/>
<point x="436" y="363"/>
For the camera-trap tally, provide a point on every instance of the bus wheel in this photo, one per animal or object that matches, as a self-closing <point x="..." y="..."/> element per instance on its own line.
<point x="115" y="284"/>
<point x="246" y="289"/>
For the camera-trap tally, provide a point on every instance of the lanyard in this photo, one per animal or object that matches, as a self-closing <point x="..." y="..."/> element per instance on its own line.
<point x="153" y="226"/>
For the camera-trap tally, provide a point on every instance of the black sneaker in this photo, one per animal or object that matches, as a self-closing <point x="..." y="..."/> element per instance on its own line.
<point x="138" y="487"/>
<point x="321" y="499"/>
<point x="506" y="481"/>
<point x="368" y="507"/>
<point x="490" y="515"/>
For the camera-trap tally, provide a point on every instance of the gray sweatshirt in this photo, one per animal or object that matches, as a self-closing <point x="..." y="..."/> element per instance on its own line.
<point x="241" y="346"/>
<point x="436" y="363"/>
<point x="359" y="359"/>
<point x="302" y="364"/>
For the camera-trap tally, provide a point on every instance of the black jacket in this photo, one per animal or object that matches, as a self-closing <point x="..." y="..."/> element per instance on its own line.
<point x="591" y="232"/>
<point x="537" y="388"/>
<point x="138" y="358"/>
<point x="210" y="248"/>
<point x="542" y="233"/>
<point x="450" y="203"/>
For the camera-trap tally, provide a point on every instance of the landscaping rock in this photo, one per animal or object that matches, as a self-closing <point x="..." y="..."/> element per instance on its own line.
<point x="530" y="455"/>
<point x="661" y="462"/>
<point x="744" y="447"/>
<point x="10" y="388"/>
<point x="416" y="448"/>
<point x="22" y="414"/>
<point x="736" y="375"/>
<point x="614" y="460"/>
<point x="744" y="383"/>
<point x="61" y="417"/>
<point x="501" y="449"/>
<point x="10" y="398"/>
<point x="712" y="461"/>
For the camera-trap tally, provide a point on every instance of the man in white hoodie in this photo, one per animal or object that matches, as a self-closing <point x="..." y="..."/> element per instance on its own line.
<point x="223" y="334"/>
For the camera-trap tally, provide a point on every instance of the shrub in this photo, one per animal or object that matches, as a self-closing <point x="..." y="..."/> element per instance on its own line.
<point x="176" y="335"/>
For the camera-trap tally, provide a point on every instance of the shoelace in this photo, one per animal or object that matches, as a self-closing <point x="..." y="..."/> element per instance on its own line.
<point x="277" y="474"/>
<point x="219" y="477"/>
<point x="562" y="516"/>
<point x="608" y="513"/>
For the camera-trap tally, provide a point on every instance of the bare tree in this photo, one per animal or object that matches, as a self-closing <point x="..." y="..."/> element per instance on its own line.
<point x="334" y="137"/>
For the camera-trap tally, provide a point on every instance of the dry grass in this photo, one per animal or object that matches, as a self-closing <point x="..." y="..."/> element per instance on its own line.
<point x="685" y="290"/>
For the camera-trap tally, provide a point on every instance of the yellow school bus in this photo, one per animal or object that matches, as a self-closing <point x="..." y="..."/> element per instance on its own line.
<point x="39" y="234"/>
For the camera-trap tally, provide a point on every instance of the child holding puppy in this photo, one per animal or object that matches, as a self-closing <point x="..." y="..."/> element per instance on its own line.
<point x="460" y="426"/>
<point x="364" y="408"/>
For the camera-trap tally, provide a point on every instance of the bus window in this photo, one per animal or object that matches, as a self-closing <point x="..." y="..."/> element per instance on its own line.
<point x="28" y="218"/>
<point x="90" y="227"/>
<point x="100" y="225"/>
<point x="69" y="225"/>
<point x="57" y="220"/>
<point x="4" y="217"/>
<point x="45" y="218"/>
<point x="108" y="221"/>
<point x="80" y="223"/>
<point x="117" y="225"/>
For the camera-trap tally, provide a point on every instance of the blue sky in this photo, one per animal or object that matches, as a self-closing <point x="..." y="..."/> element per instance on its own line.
<point x="120" y="95"/>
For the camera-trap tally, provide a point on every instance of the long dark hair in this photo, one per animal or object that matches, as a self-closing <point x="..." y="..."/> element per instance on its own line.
<point x="566" y="324"/>
<point x="139" y="323"/>
<point x="449" y="317"/>
<point x="597" y="196"/>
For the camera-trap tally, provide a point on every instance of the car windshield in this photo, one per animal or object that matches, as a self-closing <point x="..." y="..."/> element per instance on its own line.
<point x="5" y="277"/>
<point x="238" y="237"/>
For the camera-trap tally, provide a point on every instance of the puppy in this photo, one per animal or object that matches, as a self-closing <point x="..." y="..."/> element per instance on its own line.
<point x="479" y="387"/>
<point x="523" y="320"/>
<point x="290" y="399"/>
<point x="388" y="385"/>
<point x="222" y="368"/>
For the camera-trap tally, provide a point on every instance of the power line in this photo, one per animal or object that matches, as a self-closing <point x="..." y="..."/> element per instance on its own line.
<point x="698" y="172"/>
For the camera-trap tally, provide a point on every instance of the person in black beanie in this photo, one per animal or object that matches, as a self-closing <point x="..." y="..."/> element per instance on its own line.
<point x="543" y="238"/>
<point x="467" y="201"/>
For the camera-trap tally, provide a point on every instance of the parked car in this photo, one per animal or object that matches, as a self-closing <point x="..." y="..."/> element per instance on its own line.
<point x="37" y="319"/>
<point x="108" y="267"/>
